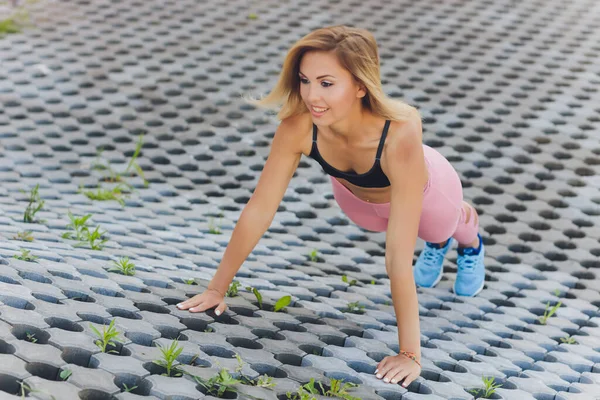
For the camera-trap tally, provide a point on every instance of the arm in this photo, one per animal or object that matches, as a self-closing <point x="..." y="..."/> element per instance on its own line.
<point x="257" y="215"/>
<point x="406" y="170"/>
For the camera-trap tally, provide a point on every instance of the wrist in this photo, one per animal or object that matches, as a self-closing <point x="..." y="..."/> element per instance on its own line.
<point x="416" y="357"/>
<point x="217" y="289"/>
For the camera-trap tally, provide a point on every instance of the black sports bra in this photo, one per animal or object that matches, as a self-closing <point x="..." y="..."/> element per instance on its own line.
<point x="370" y="179"/>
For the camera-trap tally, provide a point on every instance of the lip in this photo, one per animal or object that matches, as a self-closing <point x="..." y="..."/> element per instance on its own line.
<point x="317" y="114"/>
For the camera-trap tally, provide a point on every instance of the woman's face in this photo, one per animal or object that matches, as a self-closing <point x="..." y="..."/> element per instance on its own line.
<point x="328" y="89"/>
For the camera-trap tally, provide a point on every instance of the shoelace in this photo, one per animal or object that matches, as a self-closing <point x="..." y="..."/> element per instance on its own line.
<point x="433" y="255"/>
<point x="467" y="262"/>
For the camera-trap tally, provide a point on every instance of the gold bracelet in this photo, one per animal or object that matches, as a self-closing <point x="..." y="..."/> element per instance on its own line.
<point x="410" y="355"/>
<point x="216" y="291"/>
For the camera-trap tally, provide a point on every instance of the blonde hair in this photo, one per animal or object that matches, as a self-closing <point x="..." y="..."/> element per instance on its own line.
<point x="357" y="51"/>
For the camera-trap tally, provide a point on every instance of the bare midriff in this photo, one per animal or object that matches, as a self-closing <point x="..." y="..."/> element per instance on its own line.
<point x="371" y="195"/>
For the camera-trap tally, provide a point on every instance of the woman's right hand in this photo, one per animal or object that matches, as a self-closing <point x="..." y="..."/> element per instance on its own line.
<point x="203" y="301"/>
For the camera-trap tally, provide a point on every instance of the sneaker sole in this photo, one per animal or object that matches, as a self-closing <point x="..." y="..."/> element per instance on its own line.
<point x="469" y="295"/>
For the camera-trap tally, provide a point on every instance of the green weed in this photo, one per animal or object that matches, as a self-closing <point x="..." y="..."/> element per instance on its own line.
<point x="169" y="357"/>
<point x="65" y="374"/>
<point x="233" y="289"/>
<point x="568" y="340"/>
<point x="101" y="194"/>
<point x="488" y="390"/>
<point x="214" y="229"/>
<point x="26" y="390"/>
<point x="15" y="22"/>
<point x="257" y="294"/>
<point x="282" y="303"/>
<point x="25" y="256"/>
<point x="81" y="231"/>
<point x="338" y="389"/>
<point x="265" y="381"/>
<point x="345" y="280"/>
<point x="24" y="236"/>
<point x="549" y="312"/>
<point x="107" y="337"/>
<point x="219" y="384"/>
<point x="78" y="225"/>
<point x="190" y="281"/>
<point x="35" y="204"/>
<point x="123" y="266"/>
<point x="128" y="389"/>
<point x="312" y="256"/>
<point x="132" y="169"/>
<point x="31" y="337"/>
<point x="223" y="382"/>
<point x="355" y="308"/>
<point x="96" y="239"/>
<point x="279" y="304"/>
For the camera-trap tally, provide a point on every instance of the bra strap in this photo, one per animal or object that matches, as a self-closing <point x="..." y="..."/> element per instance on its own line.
<point x="382" y="140"/>
<point x="314" y="133"/>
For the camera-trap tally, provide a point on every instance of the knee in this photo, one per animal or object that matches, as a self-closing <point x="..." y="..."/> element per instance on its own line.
<point x="470" y="213"/>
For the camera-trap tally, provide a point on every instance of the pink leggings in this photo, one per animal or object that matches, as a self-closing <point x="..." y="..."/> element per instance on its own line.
<point x="442" y="216"/>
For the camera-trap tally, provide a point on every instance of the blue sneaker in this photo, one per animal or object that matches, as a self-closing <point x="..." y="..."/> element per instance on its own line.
<point x="430" y="265"/>
<point x="470" y="277"/>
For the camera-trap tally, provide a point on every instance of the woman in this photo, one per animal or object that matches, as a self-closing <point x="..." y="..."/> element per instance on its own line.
<point x="332" y="107"/>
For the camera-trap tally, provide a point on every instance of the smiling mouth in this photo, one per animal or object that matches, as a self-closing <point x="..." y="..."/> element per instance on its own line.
<point x="319" y="109"/>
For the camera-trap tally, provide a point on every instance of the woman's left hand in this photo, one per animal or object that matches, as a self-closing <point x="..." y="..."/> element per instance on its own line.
<point x="393" y="369"/>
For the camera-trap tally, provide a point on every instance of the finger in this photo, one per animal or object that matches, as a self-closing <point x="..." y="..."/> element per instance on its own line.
<point x="383" y="371"/>
<point x="395" y="375"/>
<point x="221" y="308"/>
<point x="184" y="305"/>
<point x="381" y="366"/>
<point x="409" y="379"/>
<point x="202" y="306"/>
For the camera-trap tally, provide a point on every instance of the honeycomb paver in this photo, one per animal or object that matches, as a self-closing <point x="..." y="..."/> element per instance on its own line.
<point x="508" y="91"/>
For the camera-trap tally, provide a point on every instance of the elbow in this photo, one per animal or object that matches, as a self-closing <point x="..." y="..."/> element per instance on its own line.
<point x="259" y="216"/>
<point x="399" y="268"/>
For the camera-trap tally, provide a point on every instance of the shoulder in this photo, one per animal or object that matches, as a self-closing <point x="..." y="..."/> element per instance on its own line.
<point x="404" y="138"/>
<point x="296" y="122"/>
<point x="296" y="131"/>
<point x="403" y="160"/>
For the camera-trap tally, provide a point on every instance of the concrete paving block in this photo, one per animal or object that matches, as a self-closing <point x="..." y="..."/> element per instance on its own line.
<point x="332" y="367"/>
<point x="592" y="389"/>
<point x="20" y="317"/>
<point x="44" y="389"/>
<point x="46" y="359"/>
<point x="534" y="386"/>
<point x="550" y="379"/>
<point x="581" y="350"/>
<point x="93" y="379"/>
<point x="12" y="366"/>
<point x="118" y="365"/>
<point x="574" y="361"/>
<point x="165" y="387"/>
<point x="355" y="358"/>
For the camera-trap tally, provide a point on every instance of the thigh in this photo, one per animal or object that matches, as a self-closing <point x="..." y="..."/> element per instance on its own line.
<point x="442" y="201"/>
<point x="359" y="211"/>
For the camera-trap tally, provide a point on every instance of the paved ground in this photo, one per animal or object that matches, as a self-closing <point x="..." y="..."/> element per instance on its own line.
<point x="509" y="92"/>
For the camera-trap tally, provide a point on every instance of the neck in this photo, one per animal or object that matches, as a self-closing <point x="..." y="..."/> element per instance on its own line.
<point x="354" y="127"/>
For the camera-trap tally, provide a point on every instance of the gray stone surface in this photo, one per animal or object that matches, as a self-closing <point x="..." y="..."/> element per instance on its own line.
<point x="508" y="93"/>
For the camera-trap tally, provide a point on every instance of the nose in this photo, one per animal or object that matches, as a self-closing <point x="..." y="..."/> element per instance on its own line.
<point x="314" y="94"/>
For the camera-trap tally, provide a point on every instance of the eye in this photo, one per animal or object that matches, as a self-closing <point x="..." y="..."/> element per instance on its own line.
<point x="303" y="80"/>
<point x="326" y="84"/>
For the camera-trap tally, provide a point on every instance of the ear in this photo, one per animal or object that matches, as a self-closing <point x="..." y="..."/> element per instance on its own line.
<point x="362" y="91"/>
